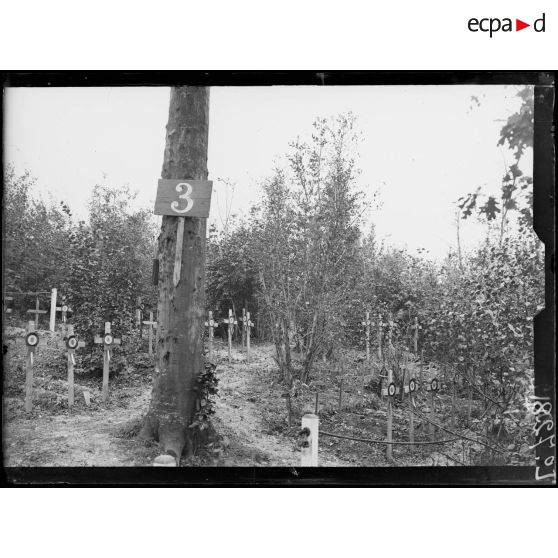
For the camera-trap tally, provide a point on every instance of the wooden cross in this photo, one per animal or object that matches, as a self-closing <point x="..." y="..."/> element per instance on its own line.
<point x="107" y="341"/>
<point x="72" y="344"/>
<point x="152" y="324"/>
<point x="432" y="387"/>
<point x="249" y="326"/>
<point x="64" y="309"/>
<point x="210" y="324"/>
<point x="232" y="322"/>
<point x="410" y="388"/>
<point x="391" y="390"/>
<point x="33" y="341"/>
<point x="36" y="311"/>
<point x="366" y="325"/>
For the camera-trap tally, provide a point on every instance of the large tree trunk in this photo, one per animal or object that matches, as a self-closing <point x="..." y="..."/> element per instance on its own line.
<point x="181" y="308"/>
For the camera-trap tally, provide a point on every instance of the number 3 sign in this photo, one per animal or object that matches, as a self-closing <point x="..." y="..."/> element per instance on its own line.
<point x="183" y="198"/>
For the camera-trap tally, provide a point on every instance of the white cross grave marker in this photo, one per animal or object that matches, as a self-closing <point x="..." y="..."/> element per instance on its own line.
<point x="72" y="343"/>
<point x="249" y="326"/>
<point x="64" y="309"/>
<point x="33" y="341"/>
<point x="432" y="387"/>
<point x="231" y="322"/>
<point x="107" y="341"/>
<point x="152" y="324"/>
<point x="391" y="390"/>
<point x="36" y="311"/>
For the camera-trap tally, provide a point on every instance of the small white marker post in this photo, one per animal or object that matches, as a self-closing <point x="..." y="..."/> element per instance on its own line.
<point x="108" y="341"/>
<point x="72" y="344"/>
<point x="210" y="324"/>
<point x="309" y="440"/>
<point x="433" y="387"/>
<point x="366" y="325"/>
<point x="151" y="323"/>
<point x="249" y="325"/>
<point x="36" y="311"/>
<point x="391" y="391"/>
<point x="52" y="324"/>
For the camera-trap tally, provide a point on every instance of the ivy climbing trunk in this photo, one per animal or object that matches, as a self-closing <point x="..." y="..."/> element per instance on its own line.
<point x="181" y="307"/>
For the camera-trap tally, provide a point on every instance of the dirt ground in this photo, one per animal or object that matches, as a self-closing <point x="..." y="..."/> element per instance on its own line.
<point x="250" y="420"/>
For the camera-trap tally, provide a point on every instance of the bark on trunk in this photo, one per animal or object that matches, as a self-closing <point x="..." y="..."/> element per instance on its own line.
<point x="180" y="308"/>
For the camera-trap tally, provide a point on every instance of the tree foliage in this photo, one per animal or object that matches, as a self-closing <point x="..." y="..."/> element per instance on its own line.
<point x="515" y="192"/>
<point x="307" y="271"/>
<point x="110" y="267"/>
<point x="35" y="236"/>
<point x="99" y="265"/>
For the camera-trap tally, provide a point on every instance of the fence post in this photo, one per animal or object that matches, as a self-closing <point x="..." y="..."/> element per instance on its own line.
<point x="52" y="324"/>
<point x="309" y="453"/>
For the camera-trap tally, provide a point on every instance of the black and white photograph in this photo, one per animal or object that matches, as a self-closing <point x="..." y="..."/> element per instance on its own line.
<point x="303" y="275"/>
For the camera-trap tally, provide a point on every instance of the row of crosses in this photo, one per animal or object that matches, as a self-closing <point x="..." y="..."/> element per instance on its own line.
<point x="33" y="341"/>
<point x="391" y="390"/>
<point x="63" y="309"/>
<point x="367" y="324"/>
<point x="231" y="322"/>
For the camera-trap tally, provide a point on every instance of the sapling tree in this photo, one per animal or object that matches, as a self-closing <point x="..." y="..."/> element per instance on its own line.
<point x="309" y="241"/>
